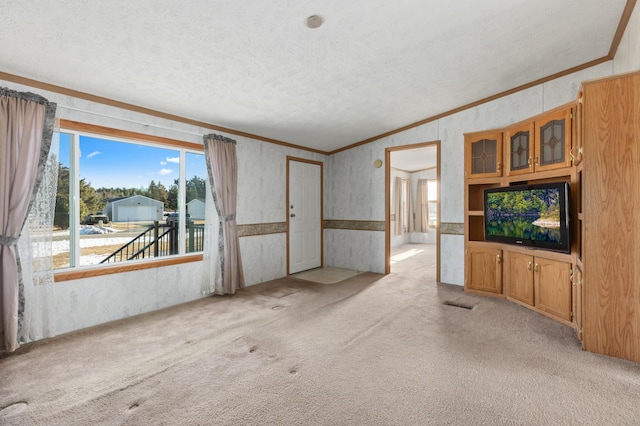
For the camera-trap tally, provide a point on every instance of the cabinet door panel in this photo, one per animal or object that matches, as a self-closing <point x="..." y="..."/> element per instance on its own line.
<point x="519" y="142"/>
<point x="483" y="155"/>
<point x="520" y="277"/>
<point x="484" y="270"/>
<point x="553" y="287"/>
<point x="553" y="141"/>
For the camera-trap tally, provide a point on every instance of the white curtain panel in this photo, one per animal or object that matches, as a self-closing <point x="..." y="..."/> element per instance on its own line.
<point x="26" y="129"/>
<point x="37" y="319"/>
<point x="212" y="274"/>
<point x="409" y="206"/>
<point x="422" y="206"/>
<point x="397" y="204"/>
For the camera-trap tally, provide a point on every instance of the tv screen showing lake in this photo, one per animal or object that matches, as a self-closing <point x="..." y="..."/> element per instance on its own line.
<point x="523" y="229"/>
<point x="524" y="214"/>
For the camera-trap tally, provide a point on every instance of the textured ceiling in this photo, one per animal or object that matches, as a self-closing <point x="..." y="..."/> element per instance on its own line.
<point x="416" y="159"/>
<point x="253" y="66"/>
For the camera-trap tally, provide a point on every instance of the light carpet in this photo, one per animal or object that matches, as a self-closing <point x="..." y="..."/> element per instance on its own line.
<point x="371" y="350"/>
<point x="326" y="275"/>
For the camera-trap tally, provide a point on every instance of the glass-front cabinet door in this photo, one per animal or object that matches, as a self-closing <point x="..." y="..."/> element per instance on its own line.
<point x="553" y="141"/>
<point x="483" y="154"/>
<point x="520" y="149"/>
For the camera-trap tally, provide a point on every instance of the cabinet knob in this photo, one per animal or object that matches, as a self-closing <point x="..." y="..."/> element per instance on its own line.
<point x="498" y="258"/>
<point x="529" y="266"/>
<point x="536" y="268"/>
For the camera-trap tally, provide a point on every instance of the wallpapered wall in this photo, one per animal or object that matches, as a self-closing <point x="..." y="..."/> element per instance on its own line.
<point x="628" y="55"/>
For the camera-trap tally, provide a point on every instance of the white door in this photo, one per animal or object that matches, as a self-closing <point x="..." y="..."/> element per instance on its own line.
<point x="304" y="216"/>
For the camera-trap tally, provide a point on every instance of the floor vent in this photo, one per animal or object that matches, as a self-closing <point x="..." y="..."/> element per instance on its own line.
<point x="458" y="304"/>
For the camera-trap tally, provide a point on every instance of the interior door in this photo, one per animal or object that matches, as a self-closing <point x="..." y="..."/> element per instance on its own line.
<point x="304" y="211"/>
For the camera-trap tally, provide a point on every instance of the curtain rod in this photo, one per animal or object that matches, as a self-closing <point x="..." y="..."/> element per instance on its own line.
<point x="131" y="121"/>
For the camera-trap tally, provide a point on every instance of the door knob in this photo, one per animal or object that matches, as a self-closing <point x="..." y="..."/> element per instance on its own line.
<point x="293" y="215"/>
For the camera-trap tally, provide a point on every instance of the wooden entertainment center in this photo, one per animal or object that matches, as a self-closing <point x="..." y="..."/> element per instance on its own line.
<point x="594" y="145"/>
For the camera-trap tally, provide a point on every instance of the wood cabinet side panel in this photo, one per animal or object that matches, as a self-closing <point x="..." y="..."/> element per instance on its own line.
<point x="578" y="312"/>
<point x="611" y="203"/>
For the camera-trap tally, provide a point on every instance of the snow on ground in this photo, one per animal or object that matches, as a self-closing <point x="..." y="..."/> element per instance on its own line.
<point x="88" y="230"/>
<point x="62" y="245"/>
<point x="92" y="259"/>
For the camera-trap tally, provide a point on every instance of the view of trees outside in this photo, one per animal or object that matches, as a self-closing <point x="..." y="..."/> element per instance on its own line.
<point x="196" y="187"/>
<point x="143" y="179"/>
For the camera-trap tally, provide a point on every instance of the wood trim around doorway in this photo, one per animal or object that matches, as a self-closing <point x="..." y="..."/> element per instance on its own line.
<point x="321" y="164"/>
<point x="387" y="202"/>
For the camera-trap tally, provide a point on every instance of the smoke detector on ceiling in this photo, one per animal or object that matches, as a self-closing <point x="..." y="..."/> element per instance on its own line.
<point x="314" y="21"/>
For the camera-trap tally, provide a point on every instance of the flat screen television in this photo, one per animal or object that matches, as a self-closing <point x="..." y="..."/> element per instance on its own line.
<point x="535" y="215"/>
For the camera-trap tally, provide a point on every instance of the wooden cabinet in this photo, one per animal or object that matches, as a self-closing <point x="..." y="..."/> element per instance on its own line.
<point x="520" y="148"/>
<point x="483" y="270"/>
<point x="533" y="151"/>
<point x="552" y="287"/>
<point x="540" y="144"/>
<point x="611" y="215"/>
<point x="553" y="140"/>
<point x="597" y="286"/>
<point x="519" y="277"/>
<point x="483" y="154"/>
<point x="539" y="282"/>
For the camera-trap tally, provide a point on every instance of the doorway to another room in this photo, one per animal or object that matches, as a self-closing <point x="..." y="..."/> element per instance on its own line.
<point x="413" y="209"/>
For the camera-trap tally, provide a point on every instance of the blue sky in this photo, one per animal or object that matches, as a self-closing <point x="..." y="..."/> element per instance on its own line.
<point x="110" y="164"/>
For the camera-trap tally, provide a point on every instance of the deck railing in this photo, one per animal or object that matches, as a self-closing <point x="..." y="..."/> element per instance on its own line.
<point x="158" y="240"/>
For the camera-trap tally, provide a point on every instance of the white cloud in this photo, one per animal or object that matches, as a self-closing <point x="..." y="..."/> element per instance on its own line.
<point x="173" y="160"/>
<point x="163" y="163"/>
<point x="164" y="172"/>
<point x="93" y="154"/>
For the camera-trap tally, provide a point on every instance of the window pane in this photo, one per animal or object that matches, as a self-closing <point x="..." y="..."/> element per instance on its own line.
<point x="61" y="242"/>
<point x="123" y="193"/>
<point x="195" y="187"/>
<point x="432" y="188"/>
<point x="433" y="214"/>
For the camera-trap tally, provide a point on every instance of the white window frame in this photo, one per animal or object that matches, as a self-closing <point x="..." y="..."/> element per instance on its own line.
<point x="105" y="133"/>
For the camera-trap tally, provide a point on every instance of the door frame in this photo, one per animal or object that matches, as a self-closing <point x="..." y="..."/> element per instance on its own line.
<point x="321" y="164"/>
<point x="387" y="202"/>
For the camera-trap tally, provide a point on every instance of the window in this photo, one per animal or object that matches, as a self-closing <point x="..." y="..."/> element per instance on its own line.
<point x="432" y="196"/>
<point x="404" y="208"/>
<point x="121" y="200"/>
